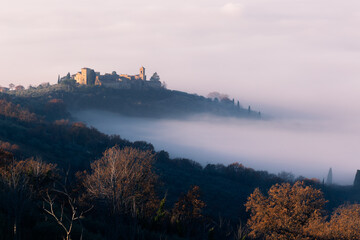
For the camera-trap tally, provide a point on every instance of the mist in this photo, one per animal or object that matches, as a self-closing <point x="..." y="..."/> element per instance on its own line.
<point x="303" y="146"/>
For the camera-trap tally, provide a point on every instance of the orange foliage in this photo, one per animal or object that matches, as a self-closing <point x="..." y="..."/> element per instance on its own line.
<point x="189" y="206"/>
<point x="5" y="158"/>
<point x="78" y="125"/>
<point x="345" y="222"/>
<point x="8" y="146"/>
<point x="9" y="109"/>
<point x="30" y="175"/>
<point x="61" y="122"/>
<point x="286" y="212"/>
<point x="56" y="100"/>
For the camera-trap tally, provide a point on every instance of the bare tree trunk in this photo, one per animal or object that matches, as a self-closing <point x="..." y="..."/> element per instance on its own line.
<point x="14" y="230"/>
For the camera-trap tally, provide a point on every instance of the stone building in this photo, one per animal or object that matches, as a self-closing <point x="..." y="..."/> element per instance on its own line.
<point x="140" y="76"/>
<point x="87" y="76"/>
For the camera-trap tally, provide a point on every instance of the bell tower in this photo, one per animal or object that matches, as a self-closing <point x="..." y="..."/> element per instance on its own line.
<point x="142" y="74"/>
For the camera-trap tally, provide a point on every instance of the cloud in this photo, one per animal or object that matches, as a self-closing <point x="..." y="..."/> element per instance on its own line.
<point x="232" y="9"/>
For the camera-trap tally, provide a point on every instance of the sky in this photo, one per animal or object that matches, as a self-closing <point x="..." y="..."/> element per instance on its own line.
<point x="289" y="59"/>
<point x="266" y="53"/>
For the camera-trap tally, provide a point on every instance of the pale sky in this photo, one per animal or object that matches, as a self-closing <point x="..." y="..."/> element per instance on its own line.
<point x="295" y="54"/>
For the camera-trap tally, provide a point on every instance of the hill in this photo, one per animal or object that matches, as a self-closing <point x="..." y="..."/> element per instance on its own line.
<point x="147" y="102"/>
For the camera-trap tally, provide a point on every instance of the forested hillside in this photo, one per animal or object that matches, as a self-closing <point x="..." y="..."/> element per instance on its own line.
<point x="60" y="179"/>
<point x="129" y="102"/>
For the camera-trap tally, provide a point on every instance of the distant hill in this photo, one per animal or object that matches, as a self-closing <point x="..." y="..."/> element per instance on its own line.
<point x="155" y="103"/>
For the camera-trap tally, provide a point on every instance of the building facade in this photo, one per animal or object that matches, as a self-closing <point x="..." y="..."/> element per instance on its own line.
<point x="87" y="76"/>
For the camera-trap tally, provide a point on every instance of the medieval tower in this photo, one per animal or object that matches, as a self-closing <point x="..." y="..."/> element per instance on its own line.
<point x="142" y="74"/>
<point x="86" y="76"/>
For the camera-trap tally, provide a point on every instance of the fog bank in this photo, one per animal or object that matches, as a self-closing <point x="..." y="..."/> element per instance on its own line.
<point x="304" y="146"/>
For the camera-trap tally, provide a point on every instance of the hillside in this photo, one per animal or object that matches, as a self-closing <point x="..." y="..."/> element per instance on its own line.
<point x="36" y="125"/>
<point x="190" y="201"/>
<point x="153" y="103"/>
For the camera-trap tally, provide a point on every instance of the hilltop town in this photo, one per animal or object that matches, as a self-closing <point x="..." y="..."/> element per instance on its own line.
<point x="88" y="76"/>
<point x="134" y="95"/>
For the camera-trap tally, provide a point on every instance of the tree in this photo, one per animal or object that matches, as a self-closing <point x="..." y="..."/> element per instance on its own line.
<point x="286" y="176"/>
<point x="20" y="181"/>
<point x="44" y="85"/>
<point x="345" y="222"/>
<point x="187" y="212"/>
<point x="357" y="179"/>
<point x="124" y="179"/>
<point x="11" y="86"/>
<point x="218" y="96"/>
<point x="286" y="213"/>
<point x="19" y="88"/>
<point x="155" y="77"/>
<point x="66" y="202"/>
<point x="329" y="177"/>
<point x="189" y="206"/>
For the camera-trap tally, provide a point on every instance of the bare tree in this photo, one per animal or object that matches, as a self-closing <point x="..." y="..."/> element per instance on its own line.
<point x="65" y="221"/>
<point x="124" y="179"/>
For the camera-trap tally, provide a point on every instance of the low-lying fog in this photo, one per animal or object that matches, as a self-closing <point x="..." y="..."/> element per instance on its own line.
<point x="301" y="146"/>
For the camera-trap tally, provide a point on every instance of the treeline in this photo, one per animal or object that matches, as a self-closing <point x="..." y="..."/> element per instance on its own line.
<point x="132" y="102"/>
<point x="115" y="199"/>
<point x="10" y="110"/>
<point x="121" y="197"/>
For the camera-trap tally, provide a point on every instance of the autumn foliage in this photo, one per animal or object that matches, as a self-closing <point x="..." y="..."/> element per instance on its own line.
<point x="286" y="212"/>
<point x="297" y="212"/>
<point x="189" y="207"/>
<point x="8" y="109"/>
<point x="20" y="182"/>
<point x="344" y="223"/>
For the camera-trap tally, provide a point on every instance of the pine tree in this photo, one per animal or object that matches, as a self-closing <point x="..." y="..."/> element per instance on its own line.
<point x="329" y="177"/>
<point x="357" y="179"/>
